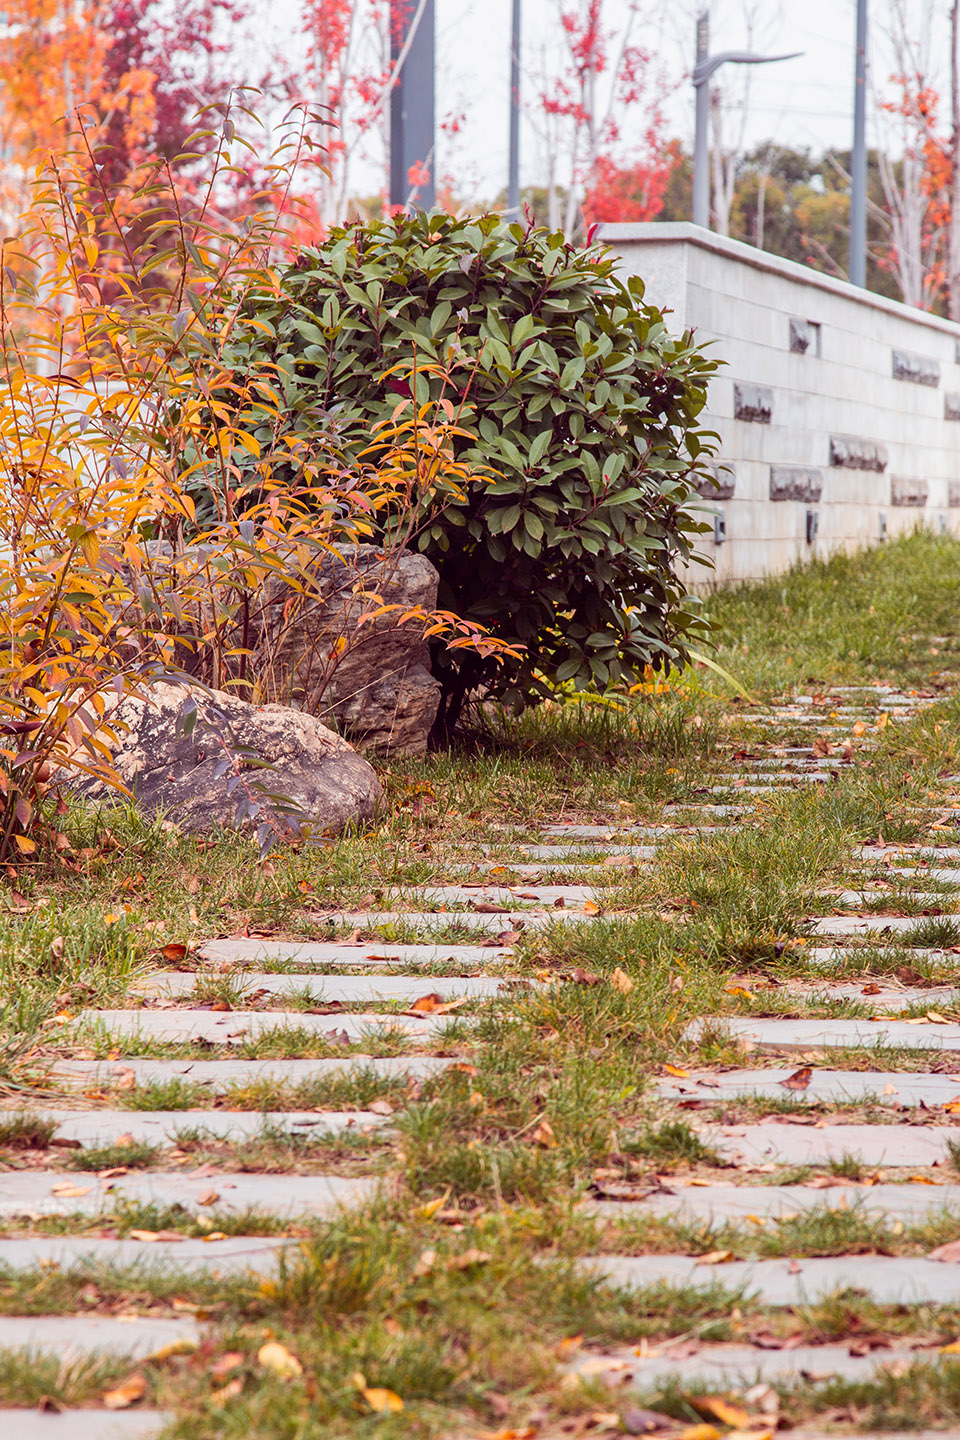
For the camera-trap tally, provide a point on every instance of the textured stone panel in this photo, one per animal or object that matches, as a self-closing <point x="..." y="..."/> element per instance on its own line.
<point x="853" y="452"/>
<point x="904" y="490"/>
<point x="718" y="483"/>
<point x="795" y="482"/>
<point x="753" y="402"/>
<point x="804" y="337"/>
<point x="953" y="494"/>
<point x="951" y="405"/>
<point x="919" y="369"/>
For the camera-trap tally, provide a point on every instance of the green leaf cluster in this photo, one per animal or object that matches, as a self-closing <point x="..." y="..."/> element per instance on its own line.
<point x="580" y="412"/>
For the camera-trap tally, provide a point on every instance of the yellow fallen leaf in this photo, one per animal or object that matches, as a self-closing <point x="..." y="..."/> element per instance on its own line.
<point x="128" y="1393"/>
<point x="722" y="1410"/>
<point x="215" y="1235"/>
<point x="749" y="1435"/>
<point x="590" y="907"/>
<point x="937" y="1018"/>
<point x="715" y="1257"/>
<point x="738" y="990"/>
<point x="384" y="1402"/>
<point x="698" y="1432"/>
<point x="68" y="1190"/>
<point x="228" y="1392"/>
<point x="952" y="1349"/>
<point x="276" y="1357"/>
<point x="184" y="1346"/>
<point x="427" y="1212"/>
<point x="676" y="1072"/>
<point x="621" y="981"/>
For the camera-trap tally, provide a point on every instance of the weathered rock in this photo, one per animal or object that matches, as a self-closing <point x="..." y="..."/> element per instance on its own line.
<point x="371" y="676"/>
<point x="169" y="771"/>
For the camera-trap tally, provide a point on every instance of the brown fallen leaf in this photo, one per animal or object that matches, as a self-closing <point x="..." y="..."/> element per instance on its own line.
<point x="645" y="1422"/>
<point x="276" y="1357"/>
<point x="715" y="1257"/>
<point x="586" y="977"/>
<point x="67" y="1190"/>
<point x="621" y="981"/>
<point x="381" y="1107"/>
<point x="209" y="1197"/>
<point x="821" y="748"/>
<point x="871" y="989"/>
<point x="225" y="1363"/>
<point x="799" y="1080"/>
<point x="949" y="1253"/>
<point x="428" y="1258"/>
<point x="434" y="1004"/>
<point x="150" y="1237"/>
<point x="174" y="952"/>
<point x="126" y="1394"/>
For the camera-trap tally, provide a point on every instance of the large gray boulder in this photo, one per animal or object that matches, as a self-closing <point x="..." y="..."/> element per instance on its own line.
<point x="370" y="676"/>
<point x="178" y="774"/>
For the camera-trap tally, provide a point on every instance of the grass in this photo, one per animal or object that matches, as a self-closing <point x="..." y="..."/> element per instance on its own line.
<point x="457" y="1288"/>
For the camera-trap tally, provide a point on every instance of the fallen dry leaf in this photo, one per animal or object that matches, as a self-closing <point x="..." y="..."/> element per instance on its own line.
<point x="276" y="1357"/>
<point x="434" y="1004"/>
<point x="67" y="1190"/>
<point x="468" y="1258"/>
<point x="126" y="1394"/>
<point x="428" y="1258"/>
<point x="715" y="1257"/>
<point x="225" y="1363"/>
<point x="209" y="1197"/>
<point x="543" y="1135"/>
<point x="799" y="1080"/>
<point x="676" y="1072"/>
<point x="383" y="1401"/>
<point x="228" y="1392"/>
<point x="381" y="1107"/>
<point x="722" y="1410"/>
<point x="590" y="907"/>
<point x="174" y="952"/>
<point x="949" y="1253"/>
<point x="737" y="990"/>
<point x="621" y="981"/>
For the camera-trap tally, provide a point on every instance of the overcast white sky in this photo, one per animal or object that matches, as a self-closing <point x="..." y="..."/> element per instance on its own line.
<point x="807" y="101"/>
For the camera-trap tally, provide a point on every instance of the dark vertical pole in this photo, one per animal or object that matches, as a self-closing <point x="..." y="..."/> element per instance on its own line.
<point x="701" y="149"/>
<point x="412" y="122"/>
<point x="513" y="168"/>
<point x="858" y="160"/>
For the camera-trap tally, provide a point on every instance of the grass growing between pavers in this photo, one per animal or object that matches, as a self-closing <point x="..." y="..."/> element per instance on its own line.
<point x="458" y="1292"/>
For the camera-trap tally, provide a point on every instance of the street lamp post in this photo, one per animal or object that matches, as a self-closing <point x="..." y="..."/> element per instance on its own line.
<point x="703" y="71"/>
<point x="513" y="165"/>
<point x="412" y="127"/>
<point x="857" y="268"/>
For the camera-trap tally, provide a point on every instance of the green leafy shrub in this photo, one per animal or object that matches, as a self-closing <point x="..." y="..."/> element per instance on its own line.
<point x="573" y="400"/>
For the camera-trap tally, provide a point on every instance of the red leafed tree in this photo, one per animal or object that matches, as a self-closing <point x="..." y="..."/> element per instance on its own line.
<point x="602" y="94"/>
<point x="347" y="78"/>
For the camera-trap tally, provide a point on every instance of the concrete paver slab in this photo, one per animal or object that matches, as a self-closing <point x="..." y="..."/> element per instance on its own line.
<point x="911" y="1146"/>
<point x="515" y="897"/>
<point x="876" y="924"/>
<point x="740" y="1366"/>
<point x="723" y="1203"/>
<point x="600" y="852"/>
<point x="33" y="1193"/>
<point x="160" y="1127"/>
<point x="373" y="952"/>
<point x="835" y="1034"/>
<point x="342" y="989"/>
<point x="887" y="1280"/>
<point x="232" y="1027"/>
<point x="70" y="1336"/>
<point x="235" y="1256"/>
<point x="886" y="1087"/>
<point x="87" y="1424"/>
<point x="219" y="1074"/>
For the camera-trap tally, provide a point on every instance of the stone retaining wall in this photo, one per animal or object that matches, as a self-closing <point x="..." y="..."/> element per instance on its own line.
<point x="838" y="410"/>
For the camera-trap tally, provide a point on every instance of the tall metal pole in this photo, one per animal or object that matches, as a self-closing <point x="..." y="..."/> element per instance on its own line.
<point x="858" y="160"/>
<point x="412" y="106"/>
<point x="513" y="164"/>
<point x="701" y="149"/>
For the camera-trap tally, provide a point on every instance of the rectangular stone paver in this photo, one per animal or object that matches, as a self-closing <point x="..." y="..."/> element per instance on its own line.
<point x="92" y="1425"/>
<point x="740" y="1366"/>
<point x="70" y="1336"/>
<point x="874" y="924"/>
<point x="515" y="897"/>
<point x="723" y="1203"/>
<point x="342" y="989"/>
<point x="618" y="834"/>
<point x="232" y="1027"/>
<point x="887" y="1280"/>
<point x="234" y="1256"/>
<point x="601" y="852"/>
<point x="223" y="1073"/>
<point x="836" y="1034"/>
<point x="889" y="1087"/>
<point x="34" y="1193"/>
<point x="911" y="1146"/>
<point x="330" y="953"/>
<point x="160" y="1127"/>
